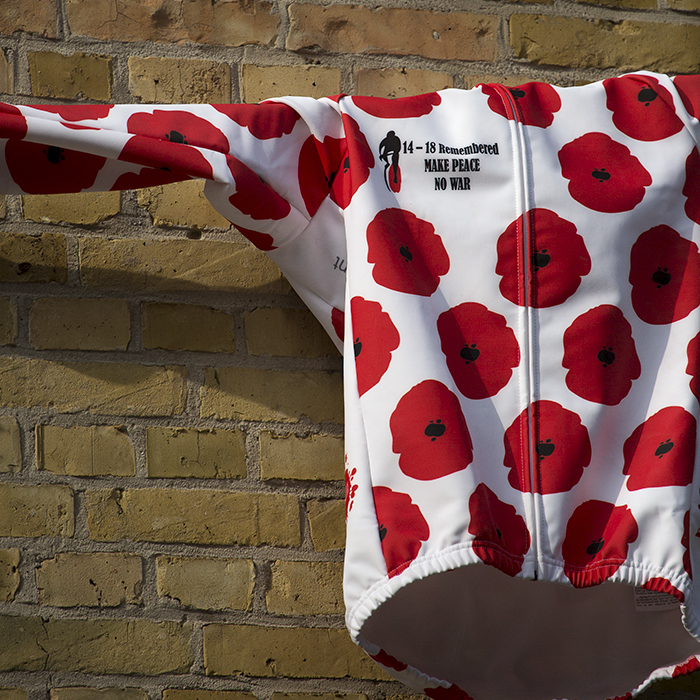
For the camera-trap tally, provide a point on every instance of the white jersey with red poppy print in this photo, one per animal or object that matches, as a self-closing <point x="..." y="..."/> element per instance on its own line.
<point x="514" y="275"/>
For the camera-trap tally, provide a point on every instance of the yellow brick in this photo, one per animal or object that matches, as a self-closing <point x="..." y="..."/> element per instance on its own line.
<point x="79" y="324"/>
<point x="10" y="448"/>
<point x="3" y="210"/>
<point x="97" y="450"/>
<point x="176" y="694"/>
<point x="13" y="694"/>
<point x="624" y="45"/>
<point x="33" y="17"/>
<point x="207" y="584"/>
<point x="69" y="387"/>
<point x="8" y="322"/>
<point x="285" y="652"/>
<point x="687" y="6"/>
<point x="35" y="511"/>
<point x="32" y="258"/>
<point x="286" y="332"/>
<point x="306" y="588"/>
<point x="97" y="694"/>
<point x="178" y="265"/>
<point x="94" y="646"/>
<point x="187" y="327"/>
<point x="318" y="696"/>
<point x="96" y="580"/>
<point x="253" y="394"/>
<point x="9" y="575"/>
<point x="178" y="81"/>
<point x="509" y="80"/>
<point x="195" y="517"/>
<point x="315" y="458"/>
<point x="392" y="82"/>
<point x="79" y="76"/>
<point x="354" y="29"/>
<point x="84" y="208"/>
<point x="259" y="83"/>
<point x="327" y="524"/>
<point x="225" y="22"/>
<point x="180" y="204"/>
<point x="202" y="454"/>
<point x="7" y="82"/>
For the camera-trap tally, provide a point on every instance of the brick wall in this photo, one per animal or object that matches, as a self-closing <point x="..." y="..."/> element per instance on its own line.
<point x="171" y="460"/>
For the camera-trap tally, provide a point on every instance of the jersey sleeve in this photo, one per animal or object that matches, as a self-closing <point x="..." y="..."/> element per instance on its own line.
<point x="270" y="169"/>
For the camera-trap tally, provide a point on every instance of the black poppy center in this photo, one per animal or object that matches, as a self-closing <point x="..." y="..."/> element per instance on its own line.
<point x="601" y="174"/>
<point x="406" y="253"/>
<point x="435" y="429"/>
<point x="545" y="448"/>
<point x="606" y="356"/>
<point x="470" y="353"/>
<point x="661" y="277"/>
<point x="595" y="546"/>
<point x="357" y="347"/>
<point x="176" y="137"/>
<point x="663" y="448"/>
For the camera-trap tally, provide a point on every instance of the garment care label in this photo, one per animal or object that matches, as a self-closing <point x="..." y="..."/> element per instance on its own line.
<point x="653" y="601"/>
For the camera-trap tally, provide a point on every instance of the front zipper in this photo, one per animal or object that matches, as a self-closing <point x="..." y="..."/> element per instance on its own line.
<point x="522" y="187"/>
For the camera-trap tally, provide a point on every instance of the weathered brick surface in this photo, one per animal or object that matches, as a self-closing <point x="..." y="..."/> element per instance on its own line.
<point x="319" y="696"/>
<point x="21" y="16"/>
<point x="327" y="523"/>
<point x="97" y="694"/>
<point x="318" y="457"/>
<point x="96" y="450"/>
<point x="76" y="76"/>
<point x="181" y="265"/>
<point x="116" y="389"/>
<point x="208" y="584"/>
<point x="354" y="29"/>
<point x="636" y="4"/>
<point x="625" y="45"/>
<point x="286" y="332"/>
<point x="94" y="646"/>
<point x="9" y="574"/>
<point x="259" y="83"/>
<point x="180" y="204"/>
<point x="13" y="694"/>
<point x="26" y="258"/>
<point x="195" y="517"/>
<point x="202" y="454"/>
<point x="294" y="653"/>
<point x="79" y="324"/>
<point x="306" y="588"/>
<point x="100" y="579"/>
<point x="392" y="82"/>
<point x="177" y="694"/>
<point x="253" y="394"/>
<point x="8" y="322"/>
<point x="178" y="81"/>
<point x="7" y="82"/>
<point x="187" y="327"/>
<point x="227" y="22"/>
<point x="10" y="447"/>
<point x="33" y="511"/>
<point x="84" y="208"/>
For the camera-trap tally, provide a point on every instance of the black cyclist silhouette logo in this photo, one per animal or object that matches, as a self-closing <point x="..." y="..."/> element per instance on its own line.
<point x="389" y="150"/>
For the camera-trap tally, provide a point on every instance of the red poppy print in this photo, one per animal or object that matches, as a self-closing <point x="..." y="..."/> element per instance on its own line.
<point x="603" y="175"/>
<point x="691" y="188"/>
<point x="389" y="661"/>
<point x="399" y="108"/>
<point x="254" y="197"/>
<point x="558" y="261"/>
<point x="661" y="451"/>
<point x="350" y="488"/>
<point x="662" y="585"/>
<point x="692" y="664"/>
<point x="642" y="109"/>
<point x="353" y="173"/>
<point x="693" y="368"/>
<point x="375" y="337"/>
<point x="402" y="528"/>
<point x="407" y="254"/>
<point x="429" y="432"/>
<point x="479" y="347"/>
<point x="41" y="169"/>
<point x="13" y="124"/>
<point x="175" y="126"/>
<point x="562" y="449"/>
<point x="685" y="543"/>
<point x="501" y="538"/>
<point x="601" y="356"/>
<point x="536" y="103"/>
<point x="454" y="692"/>
<point x="338" y="323"/>
<point x="597" y="541"/>
<point x="688" y="87"/>
<point x="146" y="177"/>
<point x="162" y="154"/>
<point x="76" y="113"/>
<point x="266" y="121"/>
<point x="665" y="276"/>
<point x="262" y="241"/>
